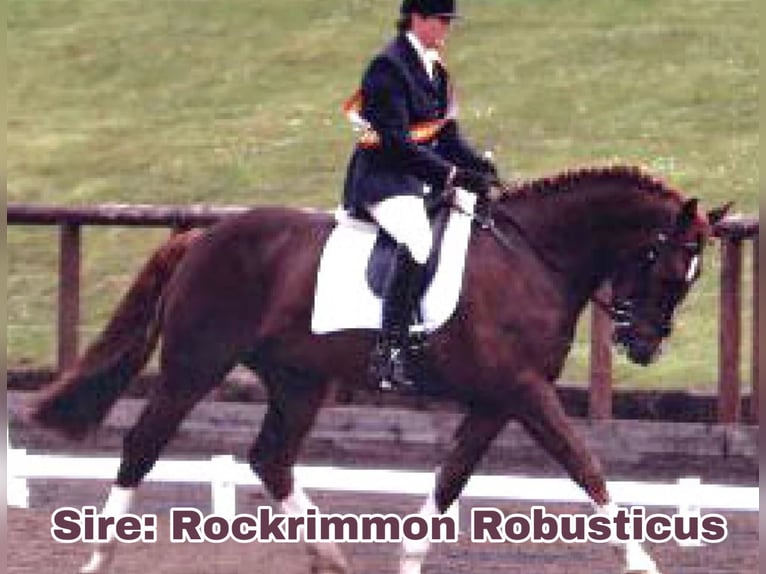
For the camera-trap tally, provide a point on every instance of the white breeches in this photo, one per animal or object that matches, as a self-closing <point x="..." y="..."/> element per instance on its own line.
<point x="404" y="218"/>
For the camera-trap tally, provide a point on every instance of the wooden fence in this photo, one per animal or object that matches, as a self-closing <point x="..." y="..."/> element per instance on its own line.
<point x="734" y="233"/>
<point x="397" y="438"/>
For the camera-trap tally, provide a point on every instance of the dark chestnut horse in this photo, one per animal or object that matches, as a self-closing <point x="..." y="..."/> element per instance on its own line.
<point x="242" y="291"/>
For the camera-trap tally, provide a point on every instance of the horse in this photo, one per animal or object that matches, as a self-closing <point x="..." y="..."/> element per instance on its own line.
<point x="240" y="293"/>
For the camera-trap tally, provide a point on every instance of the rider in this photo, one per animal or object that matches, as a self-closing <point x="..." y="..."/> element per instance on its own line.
<point x="410" y="148"/>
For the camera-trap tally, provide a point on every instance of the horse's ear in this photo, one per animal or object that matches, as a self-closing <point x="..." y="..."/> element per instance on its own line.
<point x="688" y="214"/>
<point x="718" y="213"/>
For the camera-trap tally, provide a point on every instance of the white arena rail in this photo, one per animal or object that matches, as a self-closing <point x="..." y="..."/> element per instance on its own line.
<point x="224" y="473"/>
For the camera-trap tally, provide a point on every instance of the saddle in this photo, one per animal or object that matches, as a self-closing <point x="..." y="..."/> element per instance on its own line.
<point x="343" y="297"/>
<point x="381" y="260"/>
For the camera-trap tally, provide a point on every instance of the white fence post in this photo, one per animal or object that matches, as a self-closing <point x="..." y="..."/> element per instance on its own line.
<point x="223" y="487"/>
<point x="18" y="488"/>
<point x="689" y="489"/>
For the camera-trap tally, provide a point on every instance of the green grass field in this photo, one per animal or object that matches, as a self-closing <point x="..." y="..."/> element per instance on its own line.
<point x="237" y="102"/>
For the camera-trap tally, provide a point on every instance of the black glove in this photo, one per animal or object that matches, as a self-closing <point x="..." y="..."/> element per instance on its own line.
<point x="487" y="167"/>
<point x="474" y="181"/>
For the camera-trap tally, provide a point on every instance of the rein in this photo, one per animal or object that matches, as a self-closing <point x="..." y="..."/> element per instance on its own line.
<point x="486" y="221"/>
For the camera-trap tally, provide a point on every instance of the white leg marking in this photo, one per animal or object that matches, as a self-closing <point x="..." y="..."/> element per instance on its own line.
<point x="326" y="556"/>
<point x="636" y="558"/>
<point x="118" y="503"/>
<point x="297" y="502"/>
<point x="414" y="552"/>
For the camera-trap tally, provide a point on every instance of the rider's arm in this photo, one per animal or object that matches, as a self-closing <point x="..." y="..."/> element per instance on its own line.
<point x="458" y="150"/>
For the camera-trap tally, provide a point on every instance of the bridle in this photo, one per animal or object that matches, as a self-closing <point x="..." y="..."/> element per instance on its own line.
<point x="621" y="310"/>
<point x="624" y="309"/>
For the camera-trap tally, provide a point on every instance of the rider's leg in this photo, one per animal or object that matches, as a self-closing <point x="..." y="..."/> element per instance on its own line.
<point x="405" y="219"/>
<point x="400" y="298"/>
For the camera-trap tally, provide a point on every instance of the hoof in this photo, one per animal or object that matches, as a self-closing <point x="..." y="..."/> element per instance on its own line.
<point x="329" y="569"/>
<point x="327" y="559"/>
<point x="98" y="564"/>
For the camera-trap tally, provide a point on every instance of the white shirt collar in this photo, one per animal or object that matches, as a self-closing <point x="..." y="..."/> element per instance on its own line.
<point x="427" y="56"/>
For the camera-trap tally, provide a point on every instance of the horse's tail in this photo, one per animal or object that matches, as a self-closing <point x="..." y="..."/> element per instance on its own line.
<point x="81" y="397"/>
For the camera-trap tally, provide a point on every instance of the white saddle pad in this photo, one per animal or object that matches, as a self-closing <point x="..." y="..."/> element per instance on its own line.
<point x="343" y="300"/>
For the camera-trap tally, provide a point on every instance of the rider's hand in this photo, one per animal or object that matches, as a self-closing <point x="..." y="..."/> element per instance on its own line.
<point x="474" y="181"/>
<point x="487" y="166"/>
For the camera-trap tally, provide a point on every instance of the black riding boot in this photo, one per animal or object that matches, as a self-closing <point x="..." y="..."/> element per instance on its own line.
<point x="390" y="361"/>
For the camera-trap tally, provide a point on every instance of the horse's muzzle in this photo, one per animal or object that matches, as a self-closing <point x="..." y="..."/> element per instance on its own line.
<point x="644" y="354"/>
<point x="640" y="350"/>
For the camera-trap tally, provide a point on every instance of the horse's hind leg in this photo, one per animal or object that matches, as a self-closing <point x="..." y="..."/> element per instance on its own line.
<point x="169" y="403"/>
<point x="294" y="401"/>
<point x="543" y="416"/>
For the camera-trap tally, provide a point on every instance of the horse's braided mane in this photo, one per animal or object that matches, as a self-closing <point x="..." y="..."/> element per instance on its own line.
<point x="568" y="180"/>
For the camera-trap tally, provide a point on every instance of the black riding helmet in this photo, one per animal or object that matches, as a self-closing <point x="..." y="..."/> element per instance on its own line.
<point x="444" y="8"/>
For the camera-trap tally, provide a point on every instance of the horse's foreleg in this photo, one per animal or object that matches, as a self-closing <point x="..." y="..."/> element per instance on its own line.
<point x="542" y="414"/>
<point x="293" y="406"/>
<point x="471" y="441"/>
